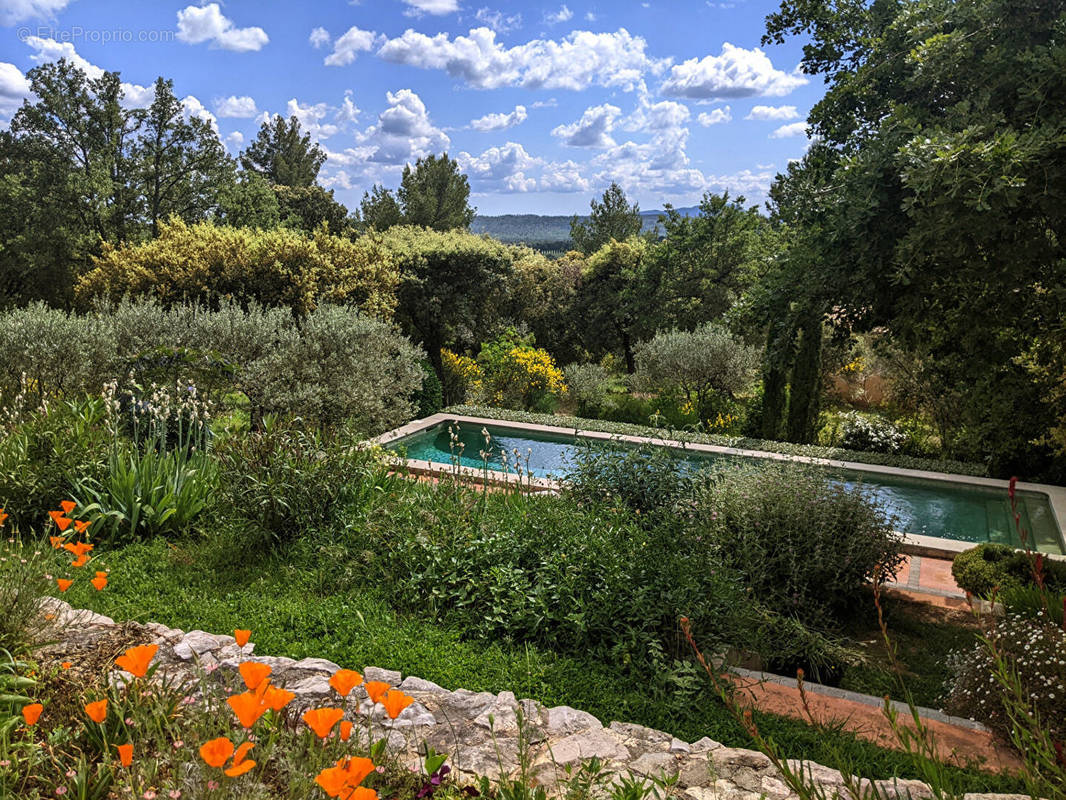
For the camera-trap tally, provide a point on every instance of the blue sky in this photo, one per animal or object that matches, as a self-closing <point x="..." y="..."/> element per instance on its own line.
<point x="543" y="105"/>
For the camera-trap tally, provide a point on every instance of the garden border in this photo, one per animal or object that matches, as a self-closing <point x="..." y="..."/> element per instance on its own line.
<point x="932" y="546"/>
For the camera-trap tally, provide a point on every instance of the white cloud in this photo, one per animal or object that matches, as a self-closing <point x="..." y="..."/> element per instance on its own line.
<point x="420" y="7"/>
<point x="501" y="169"/>
<point x="565" y="176"/>
<point x="233" y="106"/>
<point x="551" y="102"/>
<point x="590" y="17"/>
<point x="665" y="115"/>
<point x="198" y="24"/>
<point x="347" y="47"/>
<point x="715" y="117"/>
<point x="49" y="50"/>
<point x="14" y="11"/>
<point x="312" y="118"/>
<point x="499" y="121"/>
<point x="498" y="21"/>
<point x="592" y="130"/>
<point x="792" y="129"/>
<point x="235" y="140"/>
<point x="14" y="88"/>
<point x="580" y="60"/>
<point x="192" y="107"/>
<point x="744" y="182"/>
<point x="319" y="38"/>
<point x="564" y="14"/>
<point x="404" y="131"/>
<point x="735" y="73"/>
<point x="776" y="113"/>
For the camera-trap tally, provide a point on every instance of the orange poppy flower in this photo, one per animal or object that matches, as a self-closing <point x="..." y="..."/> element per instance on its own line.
<point x="68" y="506"/>
<point x="82" y="525"/>
<point x="61" y="522"/>
<point x="248" y="706"/>
<point x="395" y="702"/>
<point x="3" y="516"/>
<point x="344" y="680"/>
<point x="342" y="780"/>
<point x="79" y="548"/>
<point x="362" y="793"/>
<point x="276" y="699"/>
<point x="56" y="541"/>
<point x="240" y="764"/>
<point x="345" y="730"/>
<point x="80" y="561"/>
<point x="97" y="711"/>
<point x="32" y="713"/>
<point x="63" y="584"/>
<point x="66" y="665"/>
<point x="242" y="636"/>
<point x="125" y="754"/>
<point x="322" y="720"/>
<point x="376" y="690"/>
<point x="254" y="673"/>
<point x="136" y="659"/>
<point x="216" y="752"/>
<point x="100" y="581"/>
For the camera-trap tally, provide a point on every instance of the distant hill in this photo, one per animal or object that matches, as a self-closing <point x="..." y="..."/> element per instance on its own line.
<point x="545" y="230"/>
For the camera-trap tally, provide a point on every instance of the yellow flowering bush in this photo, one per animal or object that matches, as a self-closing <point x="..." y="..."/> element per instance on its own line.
<point x="462" y="377"/>
<point x="525" y="377"/>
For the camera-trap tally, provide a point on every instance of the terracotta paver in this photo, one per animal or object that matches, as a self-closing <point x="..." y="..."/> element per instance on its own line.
<point x="954" y="743"/>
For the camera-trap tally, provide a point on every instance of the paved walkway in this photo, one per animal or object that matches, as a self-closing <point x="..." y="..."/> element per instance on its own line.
<point x="929" y="580"/>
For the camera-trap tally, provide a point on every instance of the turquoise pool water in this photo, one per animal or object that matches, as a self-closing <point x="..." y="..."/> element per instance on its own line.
<point x="923" y="506"/>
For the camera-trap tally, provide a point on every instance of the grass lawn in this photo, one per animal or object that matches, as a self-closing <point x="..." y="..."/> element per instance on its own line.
<point x="307" y="601"/>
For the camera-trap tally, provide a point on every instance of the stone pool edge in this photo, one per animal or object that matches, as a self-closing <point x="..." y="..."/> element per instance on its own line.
<point x="914" y="544"/>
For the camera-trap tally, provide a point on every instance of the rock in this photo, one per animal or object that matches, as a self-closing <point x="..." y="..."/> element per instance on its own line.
<point x="697" y="770"/>
<point x="315" y="685"/>
<point x="413" y="684"/>
<point x="726" y="760"/>
<point x="628" y="730"/>
<point x="903" y="789"/>
<point x="678" y="746"/>
<point x="581" y="746"/>
<point x="704" y="745"/>
<point x="655" y="765"/>
<point x="415" y="715"/>
<point x="194" y="644"/>
<point x="389" y="676"/>
<point x="564" y="721"/>
<point x="317" y="665"/>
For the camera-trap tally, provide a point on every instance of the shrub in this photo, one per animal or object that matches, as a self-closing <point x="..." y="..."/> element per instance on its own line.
<point x="339" y="365"/>
<point x="428" y="399"/>
<point x="806" y="544"/>
<point x="696" y="364"/>
<point x="588" y="384"/>
<point x="462" y="377"/>
<point x="287" y="481"/>
<point x="575" y="578"/>
<point x="990" y="566"/>
<point x="1033" y="649"/>
<point x="874" y="434"/>
<point x="49" y="354"/>
<point x="47" y="451"/>
<point x="644" y="479"/>
<point x="209" y="263"/>
<point x="519" y="375"/>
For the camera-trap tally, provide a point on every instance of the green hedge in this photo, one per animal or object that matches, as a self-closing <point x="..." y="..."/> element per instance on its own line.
<point x="740" y="442"/>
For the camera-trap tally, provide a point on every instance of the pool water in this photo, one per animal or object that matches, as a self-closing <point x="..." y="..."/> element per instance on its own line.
<point x="926" y="507"/>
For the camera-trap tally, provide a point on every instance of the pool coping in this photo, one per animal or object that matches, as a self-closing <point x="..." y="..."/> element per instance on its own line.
<point x="932" y="546"/>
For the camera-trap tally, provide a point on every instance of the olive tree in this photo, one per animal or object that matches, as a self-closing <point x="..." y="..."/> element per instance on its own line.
<point x="697" y="363"/>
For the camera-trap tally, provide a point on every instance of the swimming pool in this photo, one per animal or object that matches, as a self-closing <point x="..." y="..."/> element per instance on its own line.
<point x="953" y="507"/>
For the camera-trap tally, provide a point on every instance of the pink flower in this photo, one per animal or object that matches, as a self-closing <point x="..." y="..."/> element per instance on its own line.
<point x="60" y="791"/>
<point x="174" y="794"/>
<point x="149" y="795"/>
<point x="212" y="785"/>
<point x="178" y="744"/>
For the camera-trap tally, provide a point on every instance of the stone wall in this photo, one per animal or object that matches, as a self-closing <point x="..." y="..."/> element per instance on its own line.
<point x="480" y="730"/>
